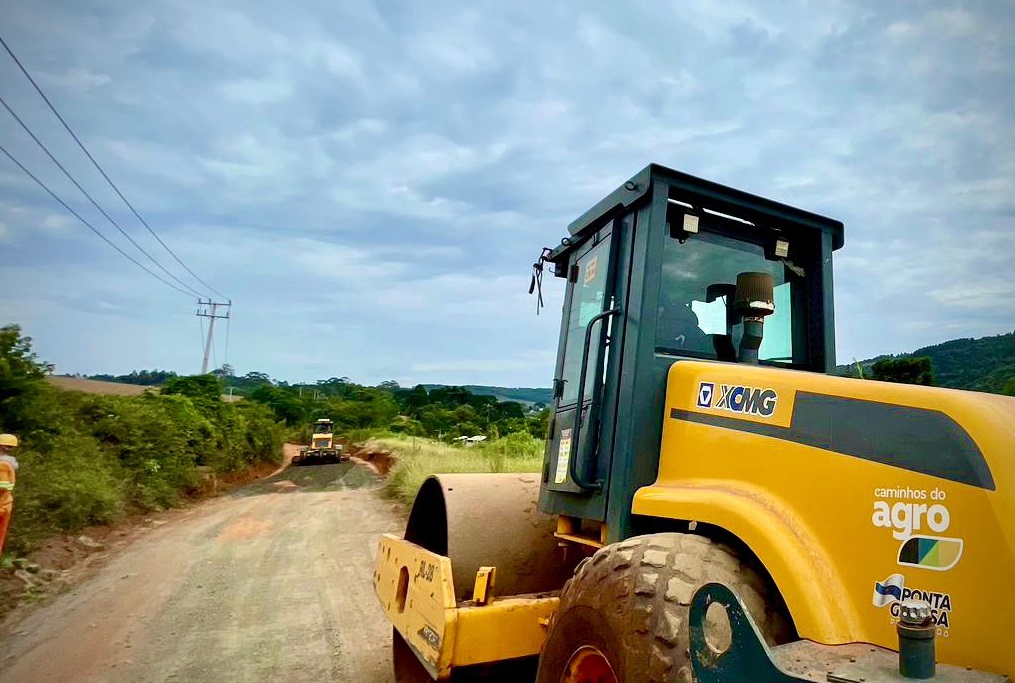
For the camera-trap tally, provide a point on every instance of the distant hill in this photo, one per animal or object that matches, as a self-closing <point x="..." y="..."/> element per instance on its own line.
<point x="523" y="395"/>
<point x="983" y="364"/>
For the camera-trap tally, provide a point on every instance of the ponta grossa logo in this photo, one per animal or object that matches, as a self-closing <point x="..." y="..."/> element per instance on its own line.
<point x="735" y="398"/>
<point x="888" y="591"/>
<point x="892" y="591"/>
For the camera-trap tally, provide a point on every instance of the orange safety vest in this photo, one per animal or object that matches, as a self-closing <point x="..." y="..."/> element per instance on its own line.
<point x="8" y="475"/>
<point x="7" y="478"/>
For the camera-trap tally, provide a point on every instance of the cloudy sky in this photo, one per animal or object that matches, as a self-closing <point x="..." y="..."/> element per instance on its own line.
<point x="371" y="181"/>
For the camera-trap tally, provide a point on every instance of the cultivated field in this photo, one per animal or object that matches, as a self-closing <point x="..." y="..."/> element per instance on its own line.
<point x="93" y="386"/>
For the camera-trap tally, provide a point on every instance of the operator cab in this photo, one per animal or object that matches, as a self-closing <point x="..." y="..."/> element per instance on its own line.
<point x="671" y="267"/>
<point x="323" y="427"/>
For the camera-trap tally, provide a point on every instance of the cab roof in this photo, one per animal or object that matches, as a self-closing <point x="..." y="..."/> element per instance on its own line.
<point x="703" y="194"/>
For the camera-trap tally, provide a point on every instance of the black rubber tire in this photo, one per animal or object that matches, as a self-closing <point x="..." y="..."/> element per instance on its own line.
<point x="631" y="602"/>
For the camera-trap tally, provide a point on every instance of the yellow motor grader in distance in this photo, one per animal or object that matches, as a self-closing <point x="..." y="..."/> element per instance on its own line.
<point x="323" y="448"/>
<point x="713" y="505"/>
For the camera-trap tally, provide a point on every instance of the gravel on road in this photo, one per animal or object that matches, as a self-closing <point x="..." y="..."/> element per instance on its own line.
<point x="271" y="582"/>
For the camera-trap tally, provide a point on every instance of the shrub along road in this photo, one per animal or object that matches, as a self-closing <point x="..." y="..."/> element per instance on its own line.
<point x="271" y="582"/>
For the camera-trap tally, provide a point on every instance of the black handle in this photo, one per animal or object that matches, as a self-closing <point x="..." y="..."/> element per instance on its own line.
<point x="572" y="468"/>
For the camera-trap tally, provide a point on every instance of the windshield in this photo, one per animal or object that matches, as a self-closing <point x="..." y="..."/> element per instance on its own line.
<point x="688" y="322"/>
<point x="322" y="428"/>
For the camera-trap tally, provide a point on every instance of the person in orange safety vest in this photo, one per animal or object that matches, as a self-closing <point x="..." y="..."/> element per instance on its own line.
<point x="8" y="474"/>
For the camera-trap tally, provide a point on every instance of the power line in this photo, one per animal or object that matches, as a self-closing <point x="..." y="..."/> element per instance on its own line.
<point x="100" y="169"/>
<point x="83" y="191"/>
<point x="89" y="225"/>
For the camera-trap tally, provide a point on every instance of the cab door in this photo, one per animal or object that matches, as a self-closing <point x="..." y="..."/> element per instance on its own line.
<point x="577" y="460"/>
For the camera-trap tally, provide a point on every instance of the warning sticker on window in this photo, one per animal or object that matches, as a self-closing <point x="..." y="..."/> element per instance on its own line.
<point x="563" y="457"/>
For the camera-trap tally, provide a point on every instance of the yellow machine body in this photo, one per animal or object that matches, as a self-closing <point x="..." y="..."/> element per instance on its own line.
<point x="842" y="575"/>
<point x="416" y="588"/>
<point x="846" y="535"/>
<point x="322" y="440"/>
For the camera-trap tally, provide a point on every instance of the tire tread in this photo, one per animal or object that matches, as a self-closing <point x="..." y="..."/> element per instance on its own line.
<point x="646" y="583"/>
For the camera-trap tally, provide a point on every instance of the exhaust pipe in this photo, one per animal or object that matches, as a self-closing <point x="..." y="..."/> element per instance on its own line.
<point x="753" y="300"/>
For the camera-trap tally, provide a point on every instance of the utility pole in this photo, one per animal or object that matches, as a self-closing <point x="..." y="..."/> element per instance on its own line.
<point x="209" y="309"/>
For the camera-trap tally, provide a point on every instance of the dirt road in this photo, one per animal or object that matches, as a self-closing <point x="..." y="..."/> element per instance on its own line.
<point x="268" y="583"/>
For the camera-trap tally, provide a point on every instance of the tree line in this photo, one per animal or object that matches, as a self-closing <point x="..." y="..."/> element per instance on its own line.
<point x="441" y="413"/>
<point x="435" y="411"/>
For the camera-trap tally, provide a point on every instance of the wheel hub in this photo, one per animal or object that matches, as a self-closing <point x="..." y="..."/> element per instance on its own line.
<point x="588" y="665"/>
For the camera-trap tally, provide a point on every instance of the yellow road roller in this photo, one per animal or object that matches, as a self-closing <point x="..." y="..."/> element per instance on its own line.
<point x="713" y="504"/>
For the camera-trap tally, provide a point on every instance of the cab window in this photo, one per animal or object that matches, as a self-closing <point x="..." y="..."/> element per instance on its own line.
<point x="688" y="322"/>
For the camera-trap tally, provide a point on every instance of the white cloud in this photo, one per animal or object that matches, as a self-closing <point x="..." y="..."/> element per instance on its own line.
<point x="257" y="90"/>
<point x="384" y="175"/>
<point x="337" y="59"/>
<point x="480" y="366"/>
<point x="76" y="79"/>
<point x="59" y="224"/>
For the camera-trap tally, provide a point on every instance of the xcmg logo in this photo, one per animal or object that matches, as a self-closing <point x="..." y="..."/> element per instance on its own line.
<point x="736" y="398"/>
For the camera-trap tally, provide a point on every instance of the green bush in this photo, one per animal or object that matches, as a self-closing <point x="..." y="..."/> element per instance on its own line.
<point x="264" y="436"/>
<point x="204" y="390"/>
<point x="157" y="441"/>
<point x="248" y="435"/>
<point x="904" y="370"/>
<point x="74" y="485"/>
<point x="300" y="433"/>
<point x="88" y="459"/>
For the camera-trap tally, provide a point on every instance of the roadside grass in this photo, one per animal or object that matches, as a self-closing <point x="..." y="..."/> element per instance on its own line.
<point x="417" y="458"/>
